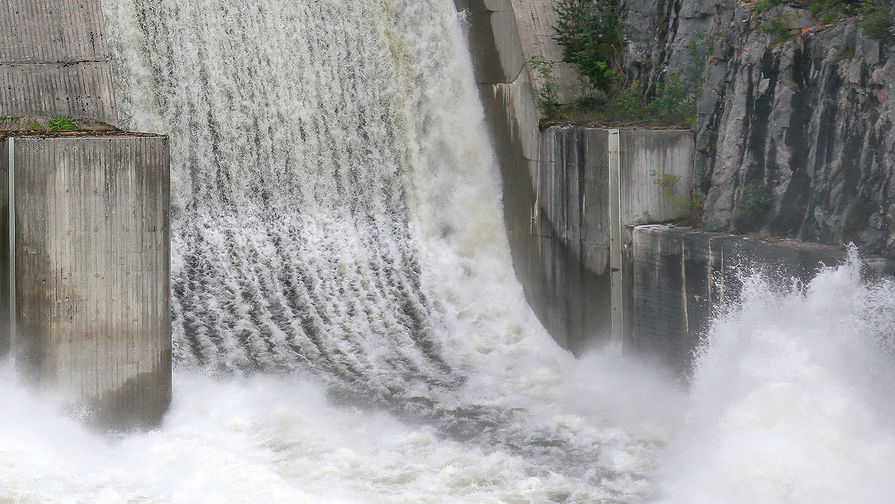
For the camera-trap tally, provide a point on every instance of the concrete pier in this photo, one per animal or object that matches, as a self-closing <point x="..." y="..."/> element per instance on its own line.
<point x="88" y="269"/>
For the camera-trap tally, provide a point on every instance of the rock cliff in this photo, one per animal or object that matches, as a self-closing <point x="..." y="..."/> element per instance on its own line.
<point x="795" y="130"/>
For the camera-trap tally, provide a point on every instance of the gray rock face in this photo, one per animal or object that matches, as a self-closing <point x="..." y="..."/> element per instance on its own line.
<point x="795" y="139"/>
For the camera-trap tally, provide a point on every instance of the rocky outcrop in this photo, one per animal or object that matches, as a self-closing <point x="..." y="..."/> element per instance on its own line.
<point x="796" y="137"/>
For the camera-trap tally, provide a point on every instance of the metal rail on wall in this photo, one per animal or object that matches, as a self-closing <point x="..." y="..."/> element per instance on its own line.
<point x="615" y="238"/>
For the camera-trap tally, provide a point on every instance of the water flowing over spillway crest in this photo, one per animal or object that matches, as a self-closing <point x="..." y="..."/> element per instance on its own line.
<point x="348" y="326"/>
<point x="337" y="211"/>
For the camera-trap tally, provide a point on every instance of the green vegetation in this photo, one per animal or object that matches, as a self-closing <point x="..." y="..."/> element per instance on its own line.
<point x="876" y="20"/>
<point x="778" y="27"/>
<point x="753" y="203"/>
<point x="63" y="123"/>
<point x="589" y="33"/>
<point x="548" y="94"/>
<point x="763" y="6"/>
<point x="690" y="204"/>
<point x="844" y="53"/>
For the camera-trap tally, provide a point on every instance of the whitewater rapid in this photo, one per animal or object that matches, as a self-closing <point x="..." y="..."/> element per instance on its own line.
<point x="348" y="326"/>
<point x="789" y="403"/>
<point x="791" y="396"/>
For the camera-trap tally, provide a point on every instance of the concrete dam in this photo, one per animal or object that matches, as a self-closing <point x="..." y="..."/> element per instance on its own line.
<point x="341" y="261"/>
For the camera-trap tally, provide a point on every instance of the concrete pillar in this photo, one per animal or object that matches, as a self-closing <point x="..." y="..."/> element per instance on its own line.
<point x="592" y="184"/>
<point x="89" y="269"/>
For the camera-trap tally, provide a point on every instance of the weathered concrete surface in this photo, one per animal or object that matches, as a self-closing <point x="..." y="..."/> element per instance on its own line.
<point x="54" y="60"/>
<point x="543" y="267"/>
<point x="572" y="208"/>
<point x="681" y="275"/>
<point x="92" y="269"/>
<point x="573" y="184"/>
<point x="559" y="288"/>
<point x="535" y="20"/>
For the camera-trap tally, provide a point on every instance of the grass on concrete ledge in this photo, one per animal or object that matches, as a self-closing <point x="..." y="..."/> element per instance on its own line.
<point x="58" y="124"/>
<point x="63" y="123"/>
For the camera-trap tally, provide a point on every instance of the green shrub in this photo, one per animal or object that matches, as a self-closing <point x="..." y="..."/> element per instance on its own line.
<point x="699" y="48"/>
<point x="877" y="20"/>
<point x="753" y="203"/>
<point x="765" y="5"/>
<point x="548" y="94"/>
<point x="690" y="205"/>
<point x="675" y="103"/>
<point x="63" y="123"/>
<point x="828" y="11"/>
<point x="844" y="53"/>
<point x="589" y="32"/>
<point x="778" y="28"/>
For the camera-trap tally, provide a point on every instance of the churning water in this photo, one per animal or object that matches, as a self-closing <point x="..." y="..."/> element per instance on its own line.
<point x="348" y="327"/>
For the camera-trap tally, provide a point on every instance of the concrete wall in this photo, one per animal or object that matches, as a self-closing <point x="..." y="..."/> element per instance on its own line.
<point x="512" y="117"/>
<point x="557" y="285"/>
<point x="572" y="209"/>
<point x="91" y="269"/>
<point x="573" y="177"/>
<point x="681" y="275"/>
<point x="535" y="20"/>
<point x="54" y="60"/>
<point x="555" y="211"/>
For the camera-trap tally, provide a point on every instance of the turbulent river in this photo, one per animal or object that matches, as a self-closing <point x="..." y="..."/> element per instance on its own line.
<point x="348" y="326"/>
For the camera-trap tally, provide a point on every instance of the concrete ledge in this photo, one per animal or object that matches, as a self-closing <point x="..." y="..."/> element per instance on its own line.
<point x="90" y="269"/>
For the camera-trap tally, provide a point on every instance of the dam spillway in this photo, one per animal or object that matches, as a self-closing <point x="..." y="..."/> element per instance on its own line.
<point x="348" y="322"/>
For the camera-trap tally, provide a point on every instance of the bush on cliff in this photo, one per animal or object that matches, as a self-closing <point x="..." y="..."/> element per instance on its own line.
<point x="876" y="18"/>
<point x="589" y="32"/>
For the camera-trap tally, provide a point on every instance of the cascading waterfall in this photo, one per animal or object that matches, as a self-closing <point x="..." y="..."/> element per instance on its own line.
<point x="336" y="207"/>
<point x="349" y="327"/>
<point x="293" y="145"/>
<point x="337" y="211"/>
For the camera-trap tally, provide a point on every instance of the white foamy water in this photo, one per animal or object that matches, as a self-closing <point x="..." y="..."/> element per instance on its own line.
<point x="281" y="439"/>
<point x="791" y="399"/>
<point x="348" y="327"/>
